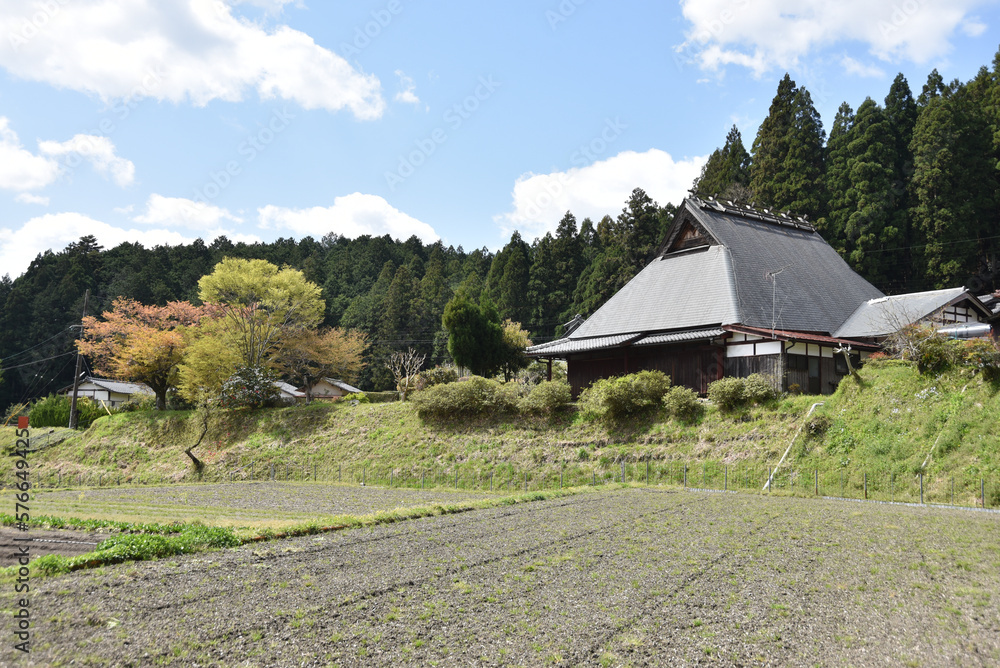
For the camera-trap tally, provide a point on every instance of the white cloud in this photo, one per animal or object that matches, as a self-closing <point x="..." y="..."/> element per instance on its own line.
<point x="27" y="198"/>
<point x="180" y="212"/>
<point x="973" y="27"/>
<point x="597" y="190"/>
<point x="195" y="50"/>
<point x="20" y="169"/>
<point x="54" y="231"/>
<point x="852" y="66"/>
<point x="99" y="151"/>
<point x="350" y="216"/>
<point x="765" y="34"/>
<point x="408" y="94"/>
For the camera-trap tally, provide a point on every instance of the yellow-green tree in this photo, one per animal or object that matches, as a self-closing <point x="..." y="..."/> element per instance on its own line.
<point x="210" y="358"/>
<point x="261" y="304"/>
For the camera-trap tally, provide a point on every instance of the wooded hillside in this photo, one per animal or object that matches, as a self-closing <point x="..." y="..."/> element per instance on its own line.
<point x="907" y="190"/>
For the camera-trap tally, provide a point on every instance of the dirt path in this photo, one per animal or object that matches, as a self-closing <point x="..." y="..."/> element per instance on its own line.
<point x="630" y="577"/>
<point x="67" y="543"/>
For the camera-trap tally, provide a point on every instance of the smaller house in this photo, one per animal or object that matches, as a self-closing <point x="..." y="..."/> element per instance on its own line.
<point x="955" y="312"/>
<point x="113" y="393"/>
<point x="288" y="394"/>
<point x="331" y="388"/>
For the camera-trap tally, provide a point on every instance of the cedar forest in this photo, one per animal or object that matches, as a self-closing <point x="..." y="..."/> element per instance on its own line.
<point x="907" y="191"/>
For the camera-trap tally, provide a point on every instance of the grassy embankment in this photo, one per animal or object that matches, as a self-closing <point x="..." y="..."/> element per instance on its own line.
<point x="886" y="422"/>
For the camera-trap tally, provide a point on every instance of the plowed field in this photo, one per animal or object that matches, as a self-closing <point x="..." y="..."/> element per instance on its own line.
<point x="625" y="577"/>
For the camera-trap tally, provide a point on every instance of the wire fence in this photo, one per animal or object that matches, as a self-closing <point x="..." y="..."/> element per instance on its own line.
<point x="920" y="488"/>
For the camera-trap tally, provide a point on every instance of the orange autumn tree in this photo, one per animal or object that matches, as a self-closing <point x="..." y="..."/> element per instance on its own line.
<point x="308" y="355"/>
<point x="141" y="343"/>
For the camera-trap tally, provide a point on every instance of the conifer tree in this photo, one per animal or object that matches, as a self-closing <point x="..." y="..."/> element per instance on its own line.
<point x="770" y="147"/>
<point x="727" y="173"/>
<point x="901" y="114"/>
<point x="871" y="236"/>
<point x="838" y="182"/>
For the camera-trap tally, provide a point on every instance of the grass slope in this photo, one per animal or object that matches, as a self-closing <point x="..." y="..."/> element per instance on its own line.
<point x="885" y="422"/>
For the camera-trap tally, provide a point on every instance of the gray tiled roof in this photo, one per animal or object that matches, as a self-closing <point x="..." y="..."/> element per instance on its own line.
<point x="289" y="389"/>
<point x="118" y="386"/>
<point x="879" y="317"/>
<point x="690" y="289"/>
<point x="816" y="290"/>
<point x="342" y="385"/>
<point x="573" y="345"/>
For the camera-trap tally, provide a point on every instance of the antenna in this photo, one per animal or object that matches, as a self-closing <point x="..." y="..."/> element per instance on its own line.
<point x="773" y="277"/>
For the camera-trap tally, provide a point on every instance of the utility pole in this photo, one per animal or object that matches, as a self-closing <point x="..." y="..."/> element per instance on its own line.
<point x="79" y="360"/>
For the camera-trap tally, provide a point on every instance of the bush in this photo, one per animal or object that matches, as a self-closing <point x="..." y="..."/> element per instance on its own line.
<point x="682" y="403"/>
<point x="139" y="402"/>
<point x="249" y="387"/>
<point x="53" y="411"/>
<point x="439" y="375"/>
<point x="727" y="393"/>
<point x="759" y="388"/>
<point x="547" y="397"/>
<point x="475" y="396"/>
<point x="936" y="354"/>
<point x="983" y="356"/>
<point x="374" y="397"/>
<point x="634" y="394"/>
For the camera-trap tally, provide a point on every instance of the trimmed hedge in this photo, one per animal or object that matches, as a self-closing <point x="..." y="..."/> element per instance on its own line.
<point x="547" y="397"/>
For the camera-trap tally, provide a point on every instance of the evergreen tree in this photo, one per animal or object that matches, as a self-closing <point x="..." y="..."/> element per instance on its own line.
<point x="842" y="201"/>
<point x="770" y="147"/>
<point x="901" y="114"/>
<point x="542" y="291"/>
<point x="726" y="175"/>
<point x="871" y="236"/>
<point x="787" y="169"/>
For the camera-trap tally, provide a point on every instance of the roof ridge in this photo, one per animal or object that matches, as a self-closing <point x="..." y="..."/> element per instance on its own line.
<point x="786" y="219"/>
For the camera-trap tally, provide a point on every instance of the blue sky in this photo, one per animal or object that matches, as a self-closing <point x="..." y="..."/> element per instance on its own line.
<point x="162" y="121"/>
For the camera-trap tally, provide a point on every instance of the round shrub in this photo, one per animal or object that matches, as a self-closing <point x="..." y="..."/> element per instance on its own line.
<point x="439" y="375"/>
<point x="983" y="356"/>
<point x="547" y="397"/>
<point x="682" y="403"/>
<point x="759" y="388"/>
<point x="727" y="393"/>
<point x="249" y="387"/>
<point x="935" y="354"/>
<point x="624" y="396"/>
<point x="475" y="396"/>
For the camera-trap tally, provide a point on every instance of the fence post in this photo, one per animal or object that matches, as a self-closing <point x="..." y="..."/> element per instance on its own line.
<point x="390" y="478"/>
<point x="364" y="475"/>
<point x="866" y="484"/>
<point x="340" y="470"/>
<point x="623" y="471"/>
<point x="725" y="469"/>
<point x="456" y="478"/>
<point x="953" y="490"/>
<point x="525" y="481"/>
<point x="560" y="479"/>
<point x="647" y="472"/>
<point x="595" y="478"/>
<point x="685" y="475"/>
<point x="921" y="488"/>
<point x="491" y="481"/>
<point x="841" y="484"/>
<point x="982" y="491"/>
<point x="892" y="488"/>
<point x="314" y="472"/>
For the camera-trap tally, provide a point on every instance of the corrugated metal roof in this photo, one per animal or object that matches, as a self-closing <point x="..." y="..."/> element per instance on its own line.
<point x="677" y="337"/>
<point x="691" y="289"/>
<point x="289" y="389"/>
<point x="816" y="290"/>
<point x="879" y="317"/>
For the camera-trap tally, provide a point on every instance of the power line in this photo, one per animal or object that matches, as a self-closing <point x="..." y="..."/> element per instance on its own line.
<point x="10" y="368"/>
<point x="38" y="345"/>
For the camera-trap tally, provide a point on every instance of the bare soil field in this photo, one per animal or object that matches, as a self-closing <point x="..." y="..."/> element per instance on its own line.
<point x="272" y="504"/>
<point x="628" y="577"/>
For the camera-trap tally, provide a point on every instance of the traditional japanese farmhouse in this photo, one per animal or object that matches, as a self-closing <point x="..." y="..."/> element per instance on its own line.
<point x="735" y="290"/>
<point x="330" y="388"/>
<point x="112" y="393"/>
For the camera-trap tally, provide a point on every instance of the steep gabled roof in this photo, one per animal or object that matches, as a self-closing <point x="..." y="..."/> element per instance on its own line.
<point x="688" y="289"/>
<point x="883" y="316"/>
<point x="721" y="264"/>
<point x="812" y="289"/>
<point x="116" y="386"/>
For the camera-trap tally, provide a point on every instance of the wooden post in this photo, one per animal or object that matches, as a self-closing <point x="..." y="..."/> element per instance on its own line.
<point x="866" y="484"/>
<point x="647" y="471"/>
<point x="982" y="491"/>
<point x="921" y="488"/>
<point x="73" y="416"/>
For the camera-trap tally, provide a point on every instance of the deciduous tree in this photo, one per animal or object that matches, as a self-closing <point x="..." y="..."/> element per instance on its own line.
<point x="141" y="343"/>
<point x="309" y="355"/>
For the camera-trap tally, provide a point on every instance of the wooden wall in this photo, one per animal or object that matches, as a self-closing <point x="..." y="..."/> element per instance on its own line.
<point x="693" y="366"/>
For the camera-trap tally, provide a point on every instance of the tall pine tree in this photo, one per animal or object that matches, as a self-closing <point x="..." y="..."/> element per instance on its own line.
<point x="726" y="175"/>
